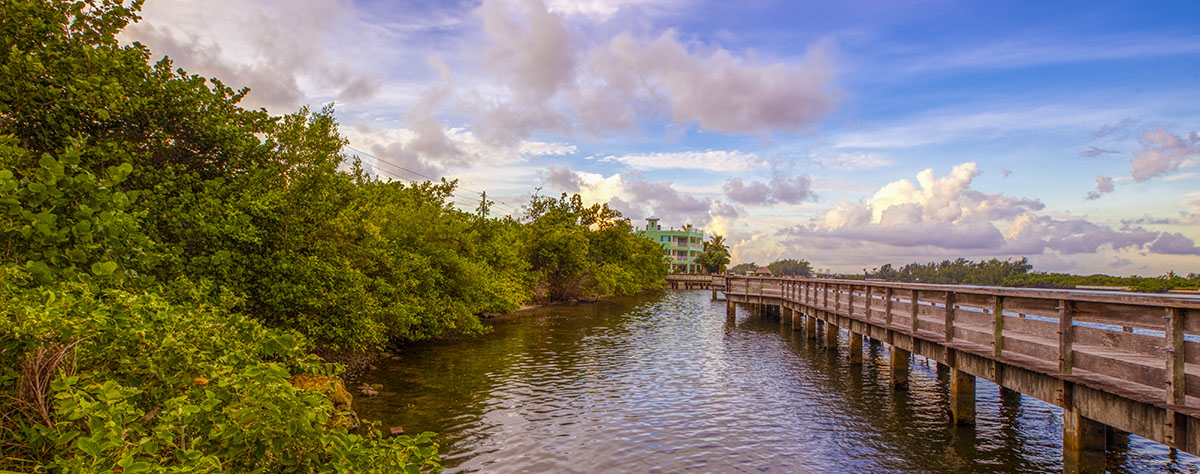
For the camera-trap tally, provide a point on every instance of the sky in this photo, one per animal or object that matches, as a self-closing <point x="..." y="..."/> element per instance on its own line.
<point x="849" y="134"/>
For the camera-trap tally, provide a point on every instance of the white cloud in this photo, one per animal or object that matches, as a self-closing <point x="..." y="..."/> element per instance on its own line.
<point x="1104" y="185"/>
<point x="853" y="161"/>
<point x="712" y="160"/>
<point x="945" y="214"/>
<point x="603" y="9"/>
<point x="277" y="48"/>
<point x="786" y="189"/>
<point x="1164" y="153"/>
<point x="637" y="198"/>
<point x="556" y="78"/>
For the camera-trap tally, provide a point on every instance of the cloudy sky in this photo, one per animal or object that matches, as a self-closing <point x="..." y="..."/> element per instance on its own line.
<point x="850" y="134"/>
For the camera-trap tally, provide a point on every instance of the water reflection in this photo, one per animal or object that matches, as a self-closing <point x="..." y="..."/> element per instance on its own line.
<point x="669" y="384"/>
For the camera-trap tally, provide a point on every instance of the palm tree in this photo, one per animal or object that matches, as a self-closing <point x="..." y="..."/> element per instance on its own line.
<point x="715" y="255"/>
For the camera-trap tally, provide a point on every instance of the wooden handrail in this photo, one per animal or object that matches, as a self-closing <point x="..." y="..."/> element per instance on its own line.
<point x="1151" y="342"/>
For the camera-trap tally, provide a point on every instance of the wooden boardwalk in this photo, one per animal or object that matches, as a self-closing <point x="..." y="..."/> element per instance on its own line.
<point x="1122" y="360"/>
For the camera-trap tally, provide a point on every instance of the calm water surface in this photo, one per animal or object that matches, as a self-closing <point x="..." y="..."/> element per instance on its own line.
<point x="669" y="384"/>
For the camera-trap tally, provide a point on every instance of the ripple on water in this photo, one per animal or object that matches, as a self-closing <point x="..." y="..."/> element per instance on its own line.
<point x="669" y="384"/>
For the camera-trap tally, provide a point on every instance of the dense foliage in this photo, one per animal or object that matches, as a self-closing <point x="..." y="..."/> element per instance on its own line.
<point x="585" y="252"/>
<point x="715" y="256"/>
<point x="781" y="267"/>
<point x="790" y="267"/>
<point x="743" y="268"/>
<point x="167" y="256"/>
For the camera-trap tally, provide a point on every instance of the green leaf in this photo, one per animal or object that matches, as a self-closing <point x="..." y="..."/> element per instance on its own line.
<point x="104" y="268"/>
<point x="88" y="445"/>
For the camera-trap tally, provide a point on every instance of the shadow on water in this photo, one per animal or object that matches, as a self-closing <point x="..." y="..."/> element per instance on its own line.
<point x="668" y="383"/>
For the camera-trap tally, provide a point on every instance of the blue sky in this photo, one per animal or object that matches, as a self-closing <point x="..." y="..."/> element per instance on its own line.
<point x="851" y="134"/>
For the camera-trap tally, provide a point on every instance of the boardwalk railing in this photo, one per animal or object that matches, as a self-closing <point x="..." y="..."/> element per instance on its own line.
<point x="1130" y="361"/>
<point x="689" y="281"/>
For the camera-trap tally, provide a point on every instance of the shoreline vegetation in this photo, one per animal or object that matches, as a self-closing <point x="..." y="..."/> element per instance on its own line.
<point x="170" y="262"/>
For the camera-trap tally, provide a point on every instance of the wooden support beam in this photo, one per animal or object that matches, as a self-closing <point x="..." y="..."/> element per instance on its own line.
<point x="856" y="348"/>
<point x="831" y="335"/>
<point x="810" y="326"/>
<point x="899" y="368"/>
<point x="730" y="308"/>
<point x="1084" y="442"/>
<point x="962" y="397"/>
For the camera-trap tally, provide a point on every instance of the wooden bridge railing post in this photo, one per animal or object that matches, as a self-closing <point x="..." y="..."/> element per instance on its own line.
<point x="998" y="326"/>
<point x="887" y="307"/>
<point x="949" y="316"/>
<point x="916" y="311"/>
<point x="850" y="301"/>
<point x="1065" y="336"/>
<point x="1176" y="392"/>
<point x="870" y="299"/>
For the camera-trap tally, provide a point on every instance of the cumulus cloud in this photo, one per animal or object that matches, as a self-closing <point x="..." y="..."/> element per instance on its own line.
<point x="937" y="214"/>
<point x="1174" y="243"/>
<point x="637" y="198"/>
<point x="274" y="47"/>
<point x="561" y="178"/>
<point x="1006" y="172"/>
<point x="1104" y="185"/>
<point x="1163" y="153"/>
<point x="786" y="189"/>
<point x="555" y="78"/>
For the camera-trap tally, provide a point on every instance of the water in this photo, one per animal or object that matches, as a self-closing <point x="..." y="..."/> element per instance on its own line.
<point x="669" y="384"/>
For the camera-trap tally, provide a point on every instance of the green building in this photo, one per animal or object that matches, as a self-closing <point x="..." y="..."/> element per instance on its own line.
<point x="680" y="246"/>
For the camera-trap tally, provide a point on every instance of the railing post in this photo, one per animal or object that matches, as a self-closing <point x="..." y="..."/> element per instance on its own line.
<point x="837" y="298"/>
<point x="1066" y="336"/>
<point x="1176" y="388"/>
<point x="870" y="290"/>
<point x="949" y="316"/>
<point x="887" y="307"/>
<point x="850" y="302"/>
<point x="998" y="326"/>
<point x="916" y="309"/>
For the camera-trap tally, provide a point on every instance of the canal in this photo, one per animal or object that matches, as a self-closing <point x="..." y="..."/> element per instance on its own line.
<point x="667" y="383"/>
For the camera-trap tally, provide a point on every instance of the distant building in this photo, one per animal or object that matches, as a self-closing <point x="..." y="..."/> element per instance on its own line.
<point x="762" y="271"/>
<point x="680" y="246"/>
